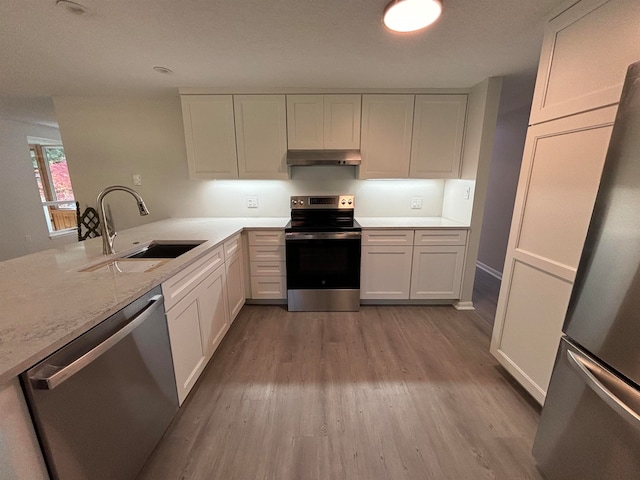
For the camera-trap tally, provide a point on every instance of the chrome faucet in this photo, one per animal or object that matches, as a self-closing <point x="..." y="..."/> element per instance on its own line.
<point x="107" y="235"/>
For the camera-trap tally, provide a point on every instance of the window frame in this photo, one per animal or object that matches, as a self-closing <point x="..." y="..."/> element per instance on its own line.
<point x="49" y="188"/>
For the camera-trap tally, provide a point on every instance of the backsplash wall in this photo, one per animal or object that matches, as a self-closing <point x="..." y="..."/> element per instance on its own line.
<point x="227" y="198"/>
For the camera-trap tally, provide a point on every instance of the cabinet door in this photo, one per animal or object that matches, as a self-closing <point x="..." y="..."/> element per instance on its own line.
<point x="261" y="133"/>
<point x="210" y="136"/>
<point x="214" y="313"/>
<point x="235" y="285"/>
<point x="438" y="131"/>
<point x="187" y="348"/>
<point x="385" y="272"/>
<point x="386" y="136"/>
<point x="342" y="121"/>
<point x="305" y="121"/>
<point x="584" y="59"/>
<point x="437" y="272"/>
<point x="561" y="168"/>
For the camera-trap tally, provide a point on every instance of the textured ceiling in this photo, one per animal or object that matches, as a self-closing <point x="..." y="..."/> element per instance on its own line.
<point x="113" y="48"/>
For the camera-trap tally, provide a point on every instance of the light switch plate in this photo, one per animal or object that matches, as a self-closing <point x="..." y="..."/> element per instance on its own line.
<point x="252" y="202"/>
<point x="137" y="180"/>
<point x="416" y="202"/>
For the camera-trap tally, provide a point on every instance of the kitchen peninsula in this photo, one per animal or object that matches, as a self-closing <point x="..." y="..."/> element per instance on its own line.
<point x="47" y="301"/>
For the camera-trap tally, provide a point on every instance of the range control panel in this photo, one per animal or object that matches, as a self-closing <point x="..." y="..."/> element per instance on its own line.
<point x="325" y="202"/>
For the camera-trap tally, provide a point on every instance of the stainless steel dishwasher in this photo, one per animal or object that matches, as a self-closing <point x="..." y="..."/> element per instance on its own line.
<point x="101" y="403"/>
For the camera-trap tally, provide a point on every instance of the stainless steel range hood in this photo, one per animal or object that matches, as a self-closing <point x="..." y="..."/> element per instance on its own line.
<point x="323" y="157"/>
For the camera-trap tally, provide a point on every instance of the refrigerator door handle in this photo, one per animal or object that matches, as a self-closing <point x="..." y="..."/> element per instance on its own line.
<point x="50" y="376"/>
<point x="590" y="373"/>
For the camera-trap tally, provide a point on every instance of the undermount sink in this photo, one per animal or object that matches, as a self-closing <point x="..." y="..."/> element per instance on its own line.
<point x="145" y="258"/>
<point x="165" y="249"/>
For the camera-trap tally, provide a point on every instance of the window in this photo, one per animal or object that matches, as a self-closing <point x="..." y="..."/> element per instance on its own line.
<point x="56" y="194"/>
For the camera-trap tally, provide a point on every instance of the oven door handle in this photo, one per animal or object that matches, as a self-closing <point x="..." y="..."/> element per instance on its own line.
<point x="295" y="236"/>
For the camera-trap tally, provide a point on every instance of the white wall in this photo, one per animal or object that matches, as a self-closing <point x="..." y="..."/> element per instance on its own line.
<point x="109" y="139"/>
<point x="21" y="213"/>
<point x="511" y="131"/>
<point x="482" y="112"/>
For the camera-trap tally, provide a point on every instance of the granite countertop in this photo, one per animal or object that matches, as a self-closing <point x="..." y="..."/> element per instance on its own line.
<point x="45" y="302"/>
<point x="409" y="222"/>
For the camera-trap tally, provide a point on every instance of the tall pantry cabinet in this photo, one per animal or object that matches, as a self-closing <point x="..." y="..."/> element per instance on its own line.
<point x="585" y="54"/>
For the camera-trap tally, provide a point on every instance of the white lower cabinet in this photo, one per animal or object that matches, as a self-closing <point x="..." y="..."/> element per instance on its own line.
<point x="214" y="312"/>
<point x="187" y="349"/>
<point x="235" y="285"/>
<point x="197" y="324"/>
<point x="424" y="264"/>
<point x="437" y="272"/>
<point x="267" y="265"/>
<point x="235" y="276"/>
<point x="386" y="272"/>
<point x="197" y="315"/>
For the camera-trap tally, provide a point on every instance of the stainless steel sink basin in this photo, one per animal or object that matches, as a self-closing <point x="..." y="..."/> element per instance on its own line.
<point x="165" y="249"/>
<point x="146" y="258"/>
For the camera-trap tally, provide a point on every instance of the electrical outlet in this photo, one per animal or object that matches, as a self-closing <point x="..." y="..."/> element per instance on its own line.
<point x="416" y="202"/>
<point x="467" y="193"/>
<point x="252" y="202"/>
<point x="137" y="180"/>
<point x="27" y="238"/>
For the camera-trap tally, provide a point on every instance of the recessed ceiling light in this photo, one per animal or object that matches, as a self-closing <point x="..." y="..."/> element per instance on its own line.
<point x="72" y="7"/>
<point x="411" y="15"/>
<point x="164" y="70"/>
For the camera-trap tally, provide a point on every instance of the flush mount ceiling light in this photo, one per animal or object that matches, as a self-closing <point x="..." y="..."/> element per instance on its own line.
<point x="72" y="7"/>
<point x="411" y="15"/>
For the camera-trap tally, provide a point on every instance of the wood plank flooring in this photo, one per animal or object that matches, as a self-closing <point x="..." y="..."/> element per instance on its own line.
<point x="393" y="392"/>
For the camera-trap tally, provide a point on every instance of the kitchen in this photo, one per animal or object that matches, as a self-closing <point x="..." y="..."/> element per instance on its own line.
<point x="111" y="131"/>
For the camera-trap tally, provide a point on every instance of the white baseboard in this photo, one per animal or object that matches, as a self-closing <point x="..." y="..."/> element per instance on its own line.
<point x="491" y="271"/>
<point x="464" y="306"/>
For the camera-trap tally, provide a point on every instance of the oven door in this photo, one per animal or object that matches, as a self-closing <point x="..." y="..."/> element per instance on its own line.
<point x="323" y="271"/>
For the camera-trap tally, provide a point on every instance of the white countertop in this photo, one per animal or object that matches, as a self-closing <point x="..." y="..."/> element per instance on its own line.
<point x="45" y="302"/>
<point x="409" y="222"/>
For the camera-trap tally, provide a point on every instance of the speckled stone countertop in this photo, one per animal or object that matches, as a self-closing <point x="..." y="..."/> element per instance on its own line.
<point x="45" y="302"/>
<point x="409" y="222"/>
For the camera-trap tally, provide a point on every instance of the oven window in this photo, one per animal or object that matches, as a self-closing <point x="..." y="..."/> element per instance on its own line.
<point x="320" y="264"/>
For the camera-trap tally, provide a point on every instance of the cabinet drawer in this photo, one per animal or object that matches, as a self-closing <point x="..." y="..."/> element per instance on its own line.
<point x="183" y="282"/>
<point x="387" y="237"/>
<point x="440" y="237"/>
<point x="272" y="253"/>
<point x="268" y="287"/>
<point x="266" y="237"/>
<point x="232" y="246"/>
<point x="268" y="268"/>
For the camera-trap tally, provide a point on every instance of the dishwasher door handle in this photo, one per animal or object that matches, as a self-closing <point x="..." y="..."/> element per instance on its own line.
<point x="49" y="376"/>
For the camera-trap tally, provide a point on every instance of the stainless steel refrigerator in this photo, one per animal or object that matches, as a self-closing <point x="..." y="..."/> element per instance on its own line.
<point x="590" y="423"/>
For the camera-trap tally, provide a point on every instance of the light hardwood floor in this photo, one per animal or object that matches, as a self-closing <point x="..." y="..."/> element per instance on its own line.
<point x="393" y="392"/>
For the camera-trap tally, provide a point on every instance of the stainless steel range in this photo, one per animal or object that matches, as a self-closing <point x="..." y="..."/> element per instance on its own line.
<point x="323" y="254"/>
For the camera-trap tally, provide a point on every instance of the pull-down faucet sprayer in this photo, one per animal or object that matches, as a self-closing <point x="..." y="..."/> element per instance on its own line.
<point x="107" y="235"/>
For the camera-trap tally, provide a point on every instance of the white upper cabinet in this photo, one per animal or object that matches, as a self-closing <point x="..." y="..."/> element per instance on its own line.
<point x="305" y="122"/>
<point x="387" y="122"/>
<point x="261" y="133"/>
<point x="323" y="121"/>
<point x="342" y="121"/>
<point x="584" y="59"/>
<point x="210" y="136"/>
<point x="438" y="132"/>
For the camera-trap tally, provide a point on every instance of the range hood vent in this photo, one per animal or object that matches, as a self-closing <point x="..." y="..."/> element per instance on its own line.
<point x="323" y="157"/>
